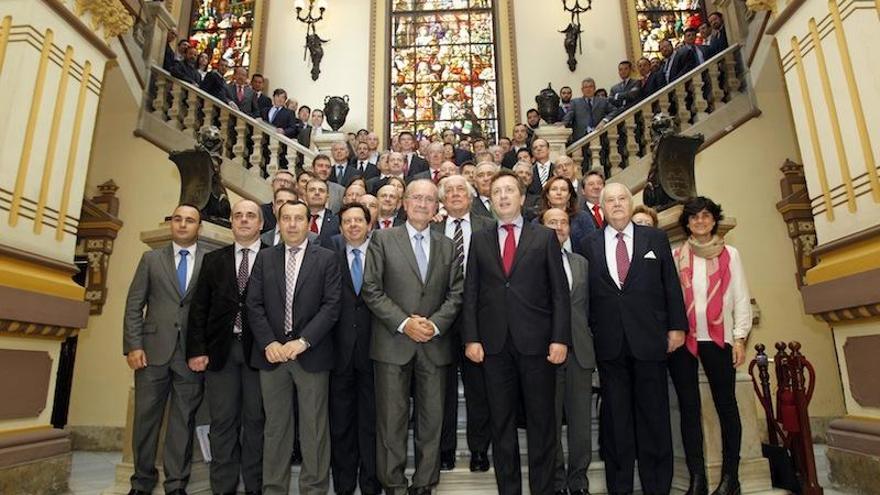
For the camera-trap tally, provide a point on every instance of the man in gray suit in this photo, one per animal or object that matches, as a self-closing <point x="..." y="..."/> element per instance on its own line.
<point x="588" y="113"/>
<point x="413" y="286"/>
<point x="240" y="95"/>
<point x="627" y="91"/>
<point x="321" y="169"/>
<point x="154" y="344"/>
<point x="574" y="378"/>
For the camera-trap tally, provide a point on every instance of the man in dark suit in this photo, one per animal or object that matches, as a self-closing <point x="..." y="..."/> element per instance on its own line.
<point x="283" y="179"/>
<point x="214" y="83"/>
<point x="637" y="316"/>
<point x="396" y="162"/>
<point x="352" y="393"/>
<point x="412" y="163"/>
<point x="322" y="169"/>
<point x="574" y="378"/>
<point x="718" y="39"/>
<point x="322" y="221"/>
<point x="261" y="101"/>
<point x="186" y="69"/>
<point x="293" y="301"/>
<point x="282" y="195"/>
<point x="542" y="169"/>
<point x="154" y="344"/>
<point x="434" y="155"/>
<point x="362" y="163"/>
<point x="676" y="63"/>
<point x="239" y="94"/>
<point x="460" y="155"/>
<point x="517" y="322"/>
<point x="390" y="214"/>
<point x="482" y="202"/>
<point x="457" y="196"/>
<point x="218" y="342"/>
<point x="341" y="171"/>
<point x="627" y="91"/>
<point x="519" y="142"/>
<point x="412" y="285"/>
<point x="589" y="112"/>
<point x="279" y="116"/>
<point x="651" y="81"/>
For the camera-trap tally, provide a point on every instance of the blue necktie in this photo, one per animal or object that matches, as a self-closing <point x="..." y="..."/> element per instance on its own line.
<point x="421" y="257"/>
<point x="181" y="271"/>
<point x="357" y="271"/>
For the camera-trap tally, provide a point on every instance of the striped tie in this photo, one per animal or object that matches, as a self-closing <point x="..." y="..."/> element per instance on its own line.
<point x="458" y="242"/>
<point x="242" y="279"/>
<point x="290" y="278"/>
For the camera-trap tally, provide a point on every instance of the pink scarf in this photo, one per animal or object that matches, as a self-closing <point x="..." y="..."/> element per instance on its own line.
<point x="718" y="272"/>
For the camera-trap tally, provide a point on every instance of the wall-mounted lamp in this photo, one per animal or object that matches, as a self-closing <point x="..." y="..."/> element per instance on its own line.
<point x="313" y="41"/>
<point x="573" y="31"/>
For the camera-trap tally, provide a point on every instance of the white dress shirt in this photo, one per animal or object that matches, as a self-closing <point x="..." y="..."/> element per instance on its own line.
<point x="737" y="306"/>
<point x="190" y="260"/>
<point x="426" y="246"/>
<point x="319" y="221"/>
<point x="486" y="202"/>
<point x="277" y="237"/>
<point x="466" y="230"/>
<point x="611" y="249"/>
<point x="502" y="232"/>
<point x="363" y="249"/>
<point x="253" y="249"/>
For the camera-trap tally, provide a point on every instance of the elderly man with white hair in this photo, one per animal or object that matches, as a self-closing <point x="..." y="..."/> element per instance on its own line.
<point x="482" y="204"/>
<point x="434" y="155"/>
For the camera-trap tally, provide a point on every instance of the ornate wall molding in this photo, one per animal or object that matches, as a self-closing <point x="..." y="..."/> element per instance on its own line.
<point x="798" y="216"/>
<point x="110" y="15"/>
<point x="99" y="226"/>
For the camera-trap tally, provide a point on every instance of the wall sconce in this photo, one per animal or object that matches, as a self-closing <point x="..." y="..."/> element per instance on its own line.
<point x="313" y="41"/>
<point x="573" y="31"/>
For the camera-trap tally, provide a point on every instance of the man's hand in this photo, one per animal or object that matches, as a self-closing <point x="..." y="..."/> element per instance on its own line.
<point x="599" y="126"/>
<point x="557" y="353"/>
<point x="275" y="352"/>
<point x="293" y="349"/>
<point x="474" y="352"/>
<point x="439" y="217"/>
<point x="415" y="329"/>
<point x="739" y="353"/>
<point x="198" y="363"/>
<point x="675" y="339"/>
<point x="137" y="359"/>
<point x="279" y="130"/>
<point x="426" y="325"/>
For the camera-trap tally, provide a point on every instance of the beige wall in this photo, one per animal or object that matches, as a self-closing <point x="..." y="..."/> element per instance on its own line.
<point x="741" y="172"/>
<point x="148" y="190"/>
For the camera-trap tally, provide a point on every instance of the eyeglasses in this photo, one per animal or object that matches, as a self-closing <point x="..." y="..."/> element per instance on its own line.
<point x="422" y="199"/>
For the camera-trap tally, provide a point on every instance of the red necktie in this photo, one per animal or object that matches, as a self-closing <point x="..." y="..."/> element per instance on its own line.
<point x="240" y="93"/>
<point x="436" y="177"/>
<point x="598" y="216"/>
<point x="386" y="223"/>
<point x="314" y="225"/>
<point x="406" y="164"/>
<point x="509" y="252"/>
<point x="622" y="259"/>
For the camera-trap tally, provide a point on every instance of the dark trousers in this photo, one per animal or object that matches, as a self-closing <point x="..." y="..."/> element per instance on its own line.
<point x="236" y="406"/>
<point x="353" y="428"/>
<point x="512" y="377"/>
<point x="479" y="432"/>
<point x="717" y="364"/>
<point x="634" y="421"/>
<point x="152" y="387"/>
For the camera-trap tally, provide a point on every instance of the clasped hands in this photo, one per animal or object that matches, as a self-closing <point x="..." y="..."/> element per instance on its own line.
<point x="556" y="353"/>
<point x="277" y="352"/>
<point x="419" y="328"/>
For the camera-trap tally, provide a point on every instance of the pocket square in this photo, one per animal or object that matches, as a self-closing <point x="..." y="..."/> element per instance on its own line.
<point x="650" y="255"/>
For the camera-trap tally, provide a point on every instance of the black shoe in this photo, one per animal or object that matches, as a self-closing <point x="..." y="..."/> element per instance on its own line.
<point x="423" y="490"/>
<point x="479" y="462"/>
<point x="257" y="492"/>
<point x="560" y="492"/>
<point x="137" y="492"/>
<point x="447" y="460"/>
<point x="729" y="485"/>
<point x="344" y="492"/>
<point x="698" y="485"/>
<point x="578" y="492"/>
<point x="179" y="491"/>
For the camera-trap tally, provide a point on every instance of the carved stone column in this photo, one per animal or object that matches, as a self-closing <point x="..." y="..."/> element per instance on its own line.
<point x="98" y="227"/>
<point x="798" y="215"/>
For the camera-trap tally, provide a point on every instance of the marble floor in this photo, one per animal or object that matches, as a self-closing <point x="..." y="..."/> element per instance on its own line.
<point x="93" y="472"/>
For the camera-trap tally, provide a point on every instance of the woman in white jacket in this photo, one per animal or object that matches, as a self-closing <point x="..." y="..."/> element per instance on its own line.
<point x="719" y="313"/>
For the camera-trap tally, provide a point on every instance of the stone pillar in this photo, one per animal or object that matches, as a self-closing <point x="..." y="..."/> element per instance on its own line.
<point x="211" y="237"/>
<point x="556" y="136"/>
<point x="325" y="140"/>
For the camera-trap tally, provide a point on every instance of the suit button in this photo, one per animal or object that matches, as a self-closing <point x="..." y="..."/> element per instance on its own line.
<point x="181" y="305"/>
<point x="177" y="325"/>
<point x="506" y="285"/>
<point x="354" y="326"/>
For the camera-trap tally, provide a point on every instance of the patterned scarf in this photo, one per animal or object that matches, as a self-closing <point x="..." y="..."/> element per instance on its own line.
<point x="718" y="272"/>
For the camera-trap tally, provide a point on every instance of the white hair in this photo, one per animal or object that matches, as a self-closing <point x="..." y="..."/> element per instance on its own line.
<point x="441" y="190"/>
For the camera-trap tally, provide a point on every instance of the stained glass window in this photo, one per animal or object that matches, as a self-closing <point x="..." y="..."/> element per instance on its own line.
<point x="223" y="28"/>
<point x="666" y="19"/>
<point x="443" y="67"/>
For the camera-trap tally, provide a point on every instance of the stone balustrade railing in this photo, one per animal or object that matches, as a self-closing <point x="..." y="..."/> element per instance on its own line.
<point x="691" y="99"/>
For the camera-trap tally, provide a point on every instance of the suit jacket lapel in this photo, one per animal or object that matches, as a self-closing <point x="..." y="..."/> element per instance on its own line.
<point x="346" y="275"/>
<point x="402" y="236"/>
<point x="231" y="269"/>
<point x="170" y="267"/>
<point x="197" y="264"/>
<point x="304" y="269"/>
<point x="435" y="252"/>
<point x="640" y="247"/>
<point x="280" y="275"/>
<point x="525" y="237"/>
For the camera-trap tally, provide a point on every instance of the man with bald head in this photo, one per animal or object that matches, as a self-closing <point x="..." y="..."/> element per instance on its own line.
<point x="342" y="172"/>
<point x="388" y="213"/>
<point x="219" y="343"/>
<point x="543" y="167"/>
<point x="637" y="316"/>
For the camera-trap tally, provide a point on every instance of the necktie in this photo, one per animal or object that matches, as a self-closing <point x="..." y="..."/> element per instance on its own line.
<point x="509" y="252"/>
<point x="589" y="113"/>
<point x="458" y="242"/>
<point x="357" y="271"/>
<point x="340" y="172"/>
<point x="386" y="223"/>
<point x="421" y="257"/>
<point x="290" y="277"/>
<point x="181" y="271"/>
<point x="598" y="216"/>
<point x="436" y="177"/>
<point x="361" y="167"/>
<point x="543" y="173"/>
<point x="313" y="227"/>
<point x="622" y="259"/>
<point x="240" y="93"/>
<point x="242" y="278"/>
<point x="406" y="165"/>
<point x="272" y="114"/>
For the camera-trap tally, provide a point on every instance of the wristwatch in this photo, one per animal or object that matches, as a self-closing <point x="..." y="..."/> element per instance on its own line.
<point x="304" y="342"/>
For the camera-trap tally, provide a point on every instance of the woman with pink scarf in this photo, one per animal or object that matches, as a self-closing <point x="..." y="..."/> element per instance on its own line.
<point x="717" y="300"/>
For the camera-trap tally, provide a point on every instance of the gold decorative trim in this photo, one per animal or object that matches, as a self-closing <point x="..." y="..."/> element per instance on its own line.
<point x="514" y="65"/>
<point x="53" y="140"/>
<point x="371" y="83"/>
<point x="5" y="28"/>
<point x="74" y="147"/>
<point x="631" y="30"/>
<point x="25" y="158"/>
<point x="61" y="9"/>
<point x="856" y="100"/>
<point x="26" y="329"/>
<point x="826" y="26"/>
<point x="110" y="15"/>
<point x="258" y="41"/>
<point x="849" y="314"/>
<point x="845" y="175"/>
<point x="811" y="125"/>
<point x="26" y="33"/>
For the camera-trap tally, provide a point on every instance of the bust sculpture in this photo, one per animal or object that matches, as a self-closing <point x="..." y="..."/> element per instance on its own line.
<point x="200" y="181"/>
<point x="671" y="179"/>
<point x="335" y="111"/>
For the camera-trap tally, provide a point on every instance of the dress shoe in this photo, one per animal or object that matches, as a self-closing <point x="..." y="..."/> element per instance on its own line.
<point x="344" y="492"/>
<point x="179" y="491"/>
<point x="422" y="490"/>
<point x="729" y="485"/>
<point x="698" y="485"/>
<point x="447" y="460"/>
<point x="137" y="492"/>
<point x="257" y="492"/>
<point x="479" y="462"/>
<point x="578" y="492"/>
<point x="560" y="492"/>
